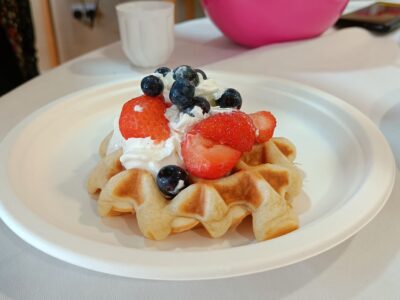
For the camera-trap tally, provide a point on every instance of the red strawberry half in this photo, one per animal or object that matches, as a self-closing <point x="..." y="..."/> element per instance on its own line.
<point x="144" y="117"/>
<point x="265" y="123"/>
<point x="234" y="129"/>
<point x="207" y="159"/>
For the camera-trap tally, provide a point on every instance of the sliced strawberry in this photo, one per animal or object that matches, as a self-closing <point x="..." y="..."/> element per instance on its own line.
<point x="265" y="123"/>
<point x="144" y="117"/>
<point x="234" y="129"/>
<point x="207" y="159"/>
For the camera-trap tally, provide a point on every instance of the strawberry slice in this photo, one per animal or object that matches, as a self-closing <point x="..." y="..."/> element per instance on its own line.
<point x="265" y="123"/>
<point x="234" y="129"/>
<point x="144" y="117"/>
<point x="207" y="159"/>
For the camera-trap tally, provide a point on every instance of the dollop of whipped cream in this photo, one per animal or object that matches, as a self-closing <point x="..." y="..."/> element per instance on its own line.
<point x="179" y="122"/>
<point x="207" y="88"/>
<point x="144" y="153"/>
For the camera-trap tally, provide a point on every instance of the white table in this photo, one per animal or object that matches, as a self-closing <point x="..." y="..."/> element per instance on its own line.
<point x="352" y="64"/>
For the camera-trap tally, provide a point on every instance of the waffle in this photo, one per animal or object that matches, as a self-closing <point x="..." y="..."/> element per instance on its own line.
<point x="262" y="184"/>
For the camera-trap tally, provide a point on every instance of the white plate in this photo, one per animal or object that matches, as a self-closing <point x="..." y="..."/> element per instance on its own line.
<point x="349" y="167"/>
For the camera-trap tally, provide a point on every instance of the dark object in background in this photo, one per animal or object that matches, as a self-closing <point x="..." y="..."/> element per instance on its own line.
<point x="86" y="12"/>
<point x="380" y="17"/>
<point x="18" y="61"/>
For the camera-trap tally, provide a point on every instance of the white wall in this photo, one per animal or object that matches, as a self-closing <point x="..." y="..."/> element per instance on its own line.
<point x="72" y="37"/>
<point x="42" y="39"/>
<point x="75" y="38"/>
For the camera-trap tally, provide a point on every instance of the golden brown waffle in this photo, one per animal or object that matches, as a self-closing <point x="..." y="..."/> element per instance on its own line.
<point x="263" y="184"/>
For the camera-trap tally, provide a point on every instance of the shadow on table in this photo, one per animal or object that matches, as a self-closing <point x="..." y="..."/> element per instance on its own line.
<point x="386" y="113"/>
<point x="345" y="270"/>
<point x="108" y="61"/>
<point x="124" y="230"/>
<point x="343" y="50"/>
<point x="342" y="272"/>
<point x="111" y="61"/>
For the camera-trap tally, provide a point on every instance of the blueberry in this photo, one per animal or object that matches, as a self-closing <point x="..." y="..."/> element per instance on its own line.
<point x="152" y="86"/>
<point x="163" y="70"/>
<point x="202" y="73"/>
<point x="182" y="93"/>
<point x="200" y="102"/>
<point x="171" y="180"/>
<point x="186" y="72"/>
<point x="230" y="98"/>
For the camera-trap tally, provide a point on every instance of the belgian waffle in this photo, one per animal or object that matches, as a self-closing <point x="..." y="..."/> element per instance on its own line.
<point x="263" y="184"/>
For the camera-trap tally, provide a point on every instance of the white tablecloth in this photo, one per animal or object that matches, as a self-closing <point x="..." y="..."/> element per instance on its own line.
<point x="352" y="64"/>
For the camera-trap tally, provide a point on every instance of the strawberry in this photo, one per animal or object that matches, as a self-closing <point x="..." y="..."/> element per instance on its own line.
<point x="207" y="159"/>
<point x="265" y="123"/>
<point x="234" y="129"/>
<point x="144" y="117"/>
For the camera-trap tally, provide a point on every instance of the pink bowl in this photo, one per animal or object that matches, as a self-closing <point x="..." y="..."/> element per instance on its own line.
<point x="254" y="23"/>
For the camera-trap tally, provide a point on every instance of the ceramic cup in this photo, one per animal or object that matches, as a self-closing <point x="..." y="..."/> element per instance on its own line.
<point x="146" y="31"/>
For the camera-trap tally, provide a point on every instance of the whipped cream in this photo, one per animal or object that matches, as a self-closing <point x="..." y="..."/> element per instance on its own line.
<point x="144" y="153"/>
<point x="117" y="140"/>
<point x="138" y="108"/>
<point x="179" y="186"/>
<point x="207" y="88"/>
<point x="180" y="122"/>
<point x="218" y="110"/>
<point x="168" y="81"/>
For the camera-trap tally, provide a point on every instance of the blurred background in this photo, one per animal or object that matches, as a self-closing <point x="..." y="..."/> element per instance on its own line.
<point x="68" y="28"/>
<point x="38" y="35"/>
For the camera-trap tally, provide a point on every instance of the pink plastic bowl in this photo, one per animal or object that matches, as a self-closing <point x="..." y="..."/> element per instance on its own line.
<point x="254" y="23"/>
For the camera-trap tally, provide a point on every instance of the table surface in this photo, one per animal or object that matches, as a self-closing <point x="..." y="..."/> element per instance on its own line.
<point x="354" y="65"/>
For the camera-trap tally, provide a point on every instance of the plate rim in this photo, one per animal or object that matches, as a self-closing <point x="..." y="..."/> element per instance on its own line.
<point x="138" y="270"/>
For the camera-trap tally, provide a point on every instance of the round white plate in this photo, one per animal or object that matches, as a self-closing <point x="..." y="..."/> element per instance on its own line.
<point x="46" y="159"/>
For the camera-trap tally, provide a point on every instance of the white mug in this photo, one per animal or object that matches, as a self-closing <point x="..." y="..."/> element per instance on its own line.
<point x="147" y="31"/>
